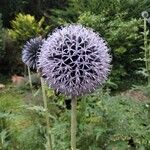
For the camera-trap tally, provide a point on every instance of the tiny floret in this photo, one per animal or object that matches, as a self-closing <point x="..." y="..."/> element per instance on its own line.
<point x="75" y="60"/>
<point x="30" y="52"/>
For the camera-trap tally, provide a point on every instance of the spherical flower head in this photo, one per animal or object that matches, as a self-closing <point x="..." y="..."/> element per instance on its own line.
<point x="30" y="52"/>
<point x="75" y="60"/>
<point x="144" y="14"/>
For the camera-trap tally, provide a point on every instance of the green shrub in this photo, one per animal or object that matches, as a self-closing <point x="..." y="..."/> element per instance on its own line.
<point x="106" y="122"/>
<point x="2" y="37"/>
<point x="122" y="36"/>
<point x="20" y="127"/>
<point x="25" y="27"/>
<point x="9" y="112"/>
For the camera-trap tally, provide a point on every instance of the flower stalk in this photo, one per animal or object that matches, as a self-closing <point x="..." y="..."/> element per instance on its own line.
<point x="49" y="141"/>
<point x="30" y="80"/>
<point x="73" y="122"/>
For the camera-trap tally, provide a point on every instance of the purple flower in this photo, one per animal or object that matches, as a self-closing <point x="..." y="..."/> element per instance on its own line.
<point x="75" y="60"/>
<point x="30" y="52"/>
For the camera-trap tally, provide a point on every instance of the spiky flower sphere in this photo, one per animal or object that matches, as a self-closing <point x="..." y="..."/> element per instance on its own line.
<point x="30" y="52"/>
<point x="144" y="14"/>
<point x="74" y="60"/>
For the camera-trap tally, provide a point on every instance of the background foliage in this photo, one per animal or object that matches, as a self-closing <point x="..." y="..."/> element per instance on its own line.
<point x="2" y="37"/>
<point x="119" y="22"/>
<point x="105" y="122"/>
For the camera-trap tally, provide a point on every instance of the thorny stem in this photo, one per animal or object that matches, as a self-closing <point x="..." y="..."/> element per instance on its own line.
<point x="49" y="140"/>
<point x="73" y="122"/>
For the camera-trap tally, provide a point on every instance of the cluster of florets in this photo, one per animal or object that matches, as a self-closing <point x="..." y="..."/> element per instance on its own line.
<point x="74" y="60"/>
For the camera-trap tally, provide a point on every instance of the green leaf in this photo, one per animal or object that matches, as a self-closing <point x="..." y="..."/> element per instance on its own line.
<point x="40" y="23"/>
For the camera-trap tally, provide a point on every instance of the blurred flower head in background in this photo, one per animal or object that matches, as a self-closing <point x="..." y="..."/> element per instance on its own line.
<point x="75" y="60"/>
<point x="30" y="52"/>
<point x="144" y="14"/>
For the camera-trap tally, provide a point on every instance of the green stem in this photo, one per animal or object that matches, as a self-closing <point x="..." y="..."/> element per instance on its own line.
<point x="146" y="50"/>
<point x="25" y="70"/>
<point x="49" y="141"/>
<point x="30" y="80"/>
<point x="73" y="122"/>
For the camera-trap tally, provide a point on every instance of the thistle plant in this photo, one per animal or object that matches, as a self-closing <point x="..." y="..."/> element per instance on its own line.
<point x="30" y="56"/>
<point x="145" y="16"/>
<point x="74" y="60"/>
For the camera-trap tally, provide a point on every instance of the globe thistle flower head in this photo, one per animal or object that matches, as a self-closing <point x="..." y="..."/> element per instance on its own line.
<point x="75" y="60"/>
<point x="30" y="52"/>
<point x="144" y="14"/>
